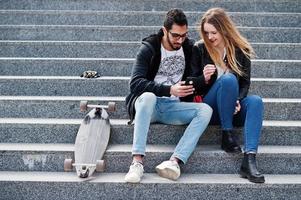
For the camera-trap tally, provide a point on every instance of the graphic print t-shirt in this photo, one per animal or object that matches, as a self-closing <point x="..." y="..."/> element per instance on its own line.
<point x="171" y="68"/>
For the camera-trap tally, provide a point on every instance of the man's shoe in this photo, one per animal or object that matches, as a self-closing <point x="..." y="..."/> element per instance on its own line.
<point x="229" y="142"/>
<point x="169" y="169"/>
<point x="135" y="173"/>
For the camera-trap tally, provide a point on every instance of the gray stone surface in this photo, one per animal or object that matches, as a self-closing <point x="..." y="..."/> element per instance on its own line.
<point x="114" y="86"/>
<point x="205" y="159"/>
<point x="134" y="33"/>
<point x="273" y="110"/>
<point x="276" y="69"/>
<point x="273" y="28"/>
<point x="164" y="5"/>
<point x="54" y="109"/>
<point x="63" y="186"/>
<point x="65" y="67"/>
<point x="132" y="18"/>
<point x="65" y="132"/>
<point x="123" y="67"/>
<point x="120" y="49"/>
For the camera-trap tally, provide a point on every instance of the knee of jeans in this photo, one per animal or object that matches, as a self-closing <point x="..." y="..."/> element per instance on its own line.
<point x="255" y="101"/>
<point x="146" y="101"/>
<point x="229" y="79"/>
<point x="204" y="111"/>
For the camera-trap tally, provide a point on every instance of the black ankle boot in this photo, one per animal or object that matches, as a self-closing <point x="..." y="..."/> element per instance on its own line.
<point x="229" y="142"/>
<point x="249" y="169"/>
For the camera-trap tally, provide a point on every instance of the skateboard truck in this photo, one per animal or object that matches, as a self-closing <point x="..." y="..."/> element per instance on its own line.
<point x="84" y="168"/>
<point x="84" y="106"/>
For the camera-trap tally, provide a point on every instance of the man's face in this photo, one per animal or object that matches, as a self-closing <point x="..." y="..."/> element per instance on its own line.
<point x="175" y="36"/>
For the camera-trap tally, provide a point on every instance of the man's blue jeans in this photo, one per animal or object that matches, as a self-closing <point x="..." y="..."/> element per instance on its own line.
<point x="151" y="109"/>
<point x="222" y="98"/>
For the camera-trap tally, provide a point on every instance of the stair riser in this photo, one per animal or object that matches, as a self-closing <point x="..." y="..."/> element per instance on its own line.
<point x="123" y="134"/>
<point x="137" y="18"/>
<point x="70" y="109"/>
<point x="164" y="5"/>
<point x="159" y="191"/>
<point x="200" y="162"/>
<point x="102" y="87"/>
<point x="121" y="50"/>
<point x="268" y="69"/>
<point x="132" y="34"/>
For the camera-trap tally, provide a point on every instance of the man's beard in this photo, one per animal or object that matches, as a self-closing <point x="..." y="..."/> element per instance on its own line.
<point x="171" y="45"/>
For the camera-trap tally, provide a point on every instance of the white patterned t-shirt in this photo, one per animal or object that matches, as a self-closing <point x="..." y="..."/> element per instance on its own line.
<point x="171" y="68"/>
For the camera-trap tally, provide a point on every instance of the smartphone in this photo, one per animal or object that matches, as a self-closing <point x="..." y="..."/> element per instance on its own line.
<point x="189" y="81"/>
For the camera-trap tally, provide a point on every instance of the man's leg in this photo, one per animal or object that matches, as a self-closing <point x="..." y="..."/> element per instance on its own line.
<point x="197" y="115"/>
<point x="144" y="106"/>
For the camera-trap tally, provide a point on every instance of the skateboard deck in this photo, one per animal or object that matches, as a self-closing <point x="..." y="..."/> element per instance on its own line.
<point x="91" y="142"/>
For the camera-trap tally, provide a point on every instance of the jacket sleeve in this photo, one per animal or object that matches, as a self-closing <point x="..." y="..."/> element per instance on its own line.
<point x="197" y="71"/>
<point x="245" y="80"/>
<point x="139" y="82"/>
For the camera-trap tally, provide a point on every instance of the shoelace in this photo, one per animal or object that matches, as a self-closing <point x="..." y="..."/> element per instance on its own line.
<point x="137" y="165"/>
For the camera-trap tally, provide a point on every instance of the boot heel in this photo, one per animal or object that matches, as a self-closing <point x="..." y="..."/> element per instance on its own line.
<point x="243" y="175"/>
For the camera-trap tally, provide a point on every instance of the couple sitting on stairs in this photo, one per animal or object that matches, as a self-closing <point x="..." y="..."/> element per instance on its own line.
<point x="175" y="81"/>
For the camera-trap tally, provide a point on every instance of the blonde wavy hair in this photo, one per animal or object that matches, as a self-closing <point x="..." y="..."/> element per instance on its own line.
<point x="232" y="38"/>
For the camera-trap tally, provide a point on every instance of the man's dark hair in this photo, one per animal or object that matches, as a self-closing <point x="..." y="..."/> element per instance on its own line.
<point x="175" y="16"/>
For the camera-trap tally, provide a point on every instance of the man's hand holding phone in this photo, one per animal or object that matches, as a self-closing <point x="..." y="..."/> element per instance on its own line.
<point x="182" y="89"/>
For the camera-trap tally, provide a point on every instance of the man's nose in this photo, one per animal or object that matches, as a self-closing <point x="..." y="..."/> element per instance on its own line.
<point x="181" y="39"/>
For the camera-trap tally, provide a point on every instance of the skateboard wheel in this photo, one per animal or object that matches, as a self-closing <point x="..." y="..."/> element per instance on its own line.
<point x="68" y="165"/>
<point x="100" y="165"/>
<point x="83" y="106"/>
<point x="111" y="106"/>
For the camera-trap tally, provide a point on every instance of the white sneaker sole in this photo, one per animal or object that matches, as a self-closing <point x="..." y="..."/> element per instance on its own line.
<point x="167" y="173"/>
<point x="132" y="180"/>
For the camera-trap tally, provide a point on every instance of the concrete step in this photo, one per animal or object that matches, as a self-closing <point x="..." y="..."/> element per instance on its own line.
<point x="67" y="186"/>
<point x="118" y="86"/>
<point x="132" y="33"/>
<point x="205" y="159"/>
<point x="68" y="107"/>
<point x="123" y="67"/>
<point x="41" y="130"/>
<point x="164" y="5"/>
<point x="121" y="49"/>
<point x="137" y="18"/>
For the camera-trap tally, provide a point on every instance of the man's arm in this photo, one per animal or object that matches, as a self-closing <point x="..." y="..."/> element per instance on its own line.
<point x="139" y="82"/>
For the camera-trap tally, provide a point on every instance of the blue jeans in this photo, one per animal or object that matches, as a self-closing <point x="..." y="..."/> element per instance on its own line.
<point x="151" y="109"/>
<point x="222" y="98"/>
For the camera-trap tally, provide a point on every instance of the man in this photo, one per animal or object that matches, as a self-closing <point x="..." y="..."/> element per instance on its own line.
<point x="157" y="95"/>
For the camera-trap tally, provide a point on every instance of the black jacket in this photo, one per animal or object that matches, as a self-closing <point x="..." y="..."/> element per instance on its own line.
<point x="201" y="57"/>
<point x="146" y="67"/>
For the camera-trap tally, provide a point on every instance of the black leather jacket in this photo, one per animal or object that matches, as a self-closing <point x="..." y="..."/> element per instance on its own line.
<point x="146" y="67"/>
<point x="201" y="57"/>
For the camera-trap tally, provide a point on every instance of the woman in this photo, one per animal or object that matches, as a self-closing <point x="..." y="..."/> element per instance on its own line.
<point x="222" y="65"/>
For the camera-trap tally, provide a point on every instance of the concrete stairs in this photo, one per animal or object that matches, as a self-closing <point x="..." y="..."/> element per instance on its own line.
<point x="44" y="47"/>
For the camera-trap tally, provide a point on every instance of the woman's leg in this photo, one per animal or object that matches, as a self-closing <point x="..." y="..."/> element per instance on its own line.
<point x="251" y="116"/>
<point x="222" y="98"/>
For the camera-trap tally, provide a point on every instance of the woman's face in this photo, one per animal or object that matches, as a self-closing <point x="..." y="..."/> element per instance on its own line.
<point x="214" y="36"/>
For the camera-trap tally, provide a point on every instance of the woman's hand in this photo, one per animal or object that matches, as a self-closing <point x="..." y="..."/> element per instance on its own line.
<point x="237" y="107"/>
<point x="208" y="71"/>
